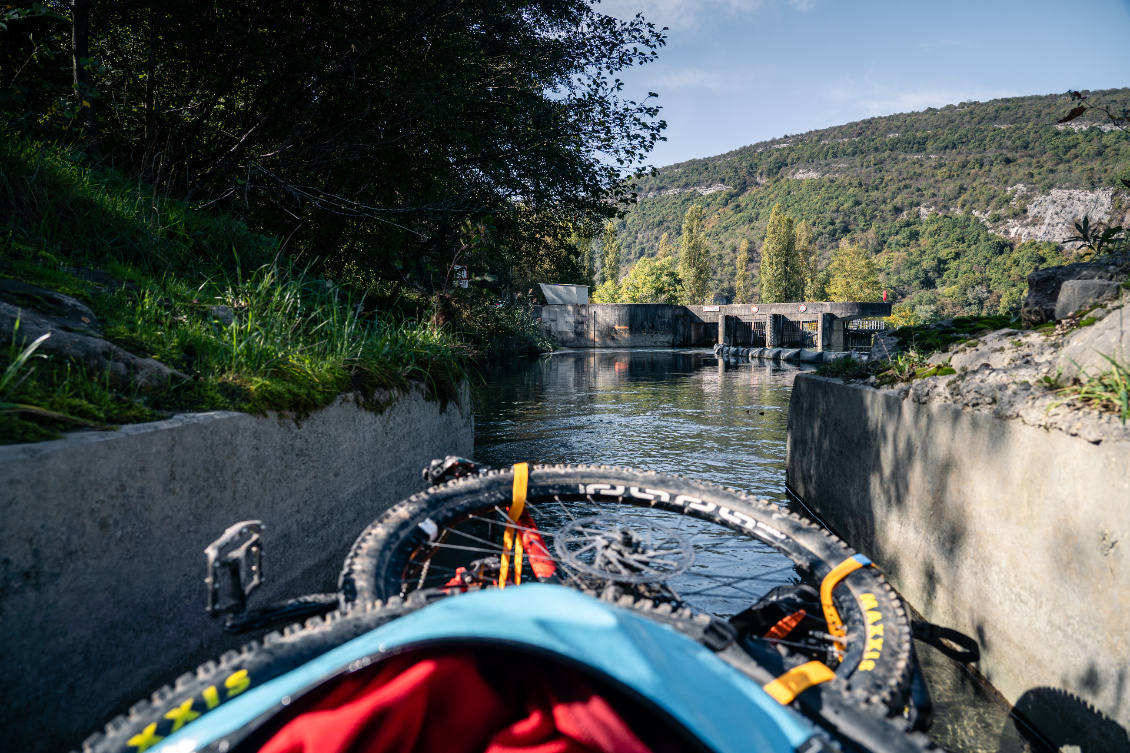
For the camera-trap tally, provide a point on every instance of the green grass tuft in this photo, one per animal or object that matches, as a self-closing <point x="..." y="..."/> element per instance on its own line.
<point x="931" y="338"/>
<point x="168" y="282"/>
<point x="844" y="368"/>
<point x="1107" y="391"/>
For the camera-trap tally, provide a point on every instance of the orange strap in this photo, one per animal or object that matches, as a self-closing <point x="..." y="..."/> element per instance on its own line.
<point x="786" y="625"/>
<point x="831" y="580"/>
<point x="509" y="540"/>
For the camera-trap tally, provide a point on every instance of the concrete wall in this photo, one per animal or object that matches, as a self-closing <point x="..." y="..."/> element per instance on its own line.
<point x="1012" y="534"/>
<point x="103" y="535"/>
<point x="626" y="325"/>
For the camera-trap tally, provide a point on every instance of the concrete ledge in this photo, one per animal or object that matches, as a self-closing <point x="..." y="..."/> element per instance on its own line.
<point x="101" y="586"/>
<point x="1010" y="533"/>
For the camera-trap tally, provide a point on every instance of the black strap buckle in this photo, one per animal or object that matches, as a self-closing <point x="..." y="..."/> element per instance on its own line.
<point x="718" y="634"/>
<point x="452" y="467"/>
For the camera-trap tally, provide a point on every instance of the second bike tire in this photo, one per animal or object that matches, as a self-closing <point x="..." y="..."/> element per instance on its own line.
<point x="876" y="665"/>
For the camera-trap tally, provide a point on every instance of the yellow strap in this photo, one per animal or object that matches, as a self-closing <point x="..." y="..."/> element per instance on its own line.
<point x="797" y="680"/>
<point x="521" y="481"/>
<point x="509" y="540"/>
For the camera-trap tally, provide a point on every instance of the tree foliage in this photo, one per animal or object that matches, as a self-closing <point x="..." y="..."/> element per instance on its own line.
<point x="694" y="258"/>
<point x="366" y="134"/>
<point x="852" y="275"/>
<point x="651" y="281"/>
<point x="876" y="182"/>
<point x="808" y="262"/>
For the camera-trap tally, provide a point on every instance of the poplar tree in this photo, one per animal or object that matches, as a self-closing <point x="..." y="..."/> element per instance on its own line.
<point x="742" y="291"/>
<point x="664" y="247"/>
<point x="782" y="278"/>
<point x="582" y="238"/>
<point x="806" y="253"/>
<point x="610" y="255"/>
<point x="694" y="258"/>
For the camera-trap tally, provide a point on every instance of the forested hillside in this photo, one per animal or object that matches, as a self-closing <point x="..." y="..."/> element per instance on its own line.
<point x="955" y="205"/>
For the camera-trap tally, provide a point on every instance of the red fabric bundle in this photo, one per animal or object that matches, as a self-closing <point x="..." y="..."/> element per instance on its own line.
<point x="441" y="703"/>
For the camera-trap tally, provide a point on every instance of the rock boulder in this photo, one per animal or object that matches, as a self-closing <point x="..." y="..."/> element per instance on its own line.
<point x="1044" y="286"/>
<point x="1083" y="354"/>
<point x="96" y="354"/>
<point x="1076" y="295"/>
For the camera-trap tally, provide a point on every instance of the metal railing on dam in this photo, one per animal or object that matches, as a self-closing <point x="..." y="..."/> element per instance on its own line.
<point x="817" y="325"/>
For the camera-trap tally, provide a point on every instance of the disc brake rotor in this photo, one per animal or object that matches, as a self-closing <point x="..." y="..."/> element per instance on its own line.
<point x="624" y="550"/>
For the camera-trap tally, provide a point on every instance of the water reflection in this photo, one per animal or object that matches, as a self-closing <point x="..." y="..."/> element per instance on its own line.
<point x="664" y="410"/>
<point x="690" y="413"/>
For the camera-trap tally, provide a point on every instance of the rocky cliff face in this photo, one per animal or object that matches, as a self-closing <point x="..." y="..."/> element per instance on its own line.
<point x="1052" y="216"/>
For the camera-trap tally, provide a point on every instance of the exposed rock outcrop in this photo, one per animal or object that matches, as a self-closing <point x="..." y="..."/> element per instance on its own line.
<point x="74" y="333"/>
<point x="67" y="313"/>
<point x="1052" y="216"/>
<point x="1013" y="374"/>
<point x="702" y="190"/>
<point x="1086" y="351"/>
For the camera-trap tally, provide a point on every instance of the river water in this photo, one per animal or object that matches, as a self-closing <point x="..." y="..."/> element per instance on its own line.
<point x="689" y="413"/>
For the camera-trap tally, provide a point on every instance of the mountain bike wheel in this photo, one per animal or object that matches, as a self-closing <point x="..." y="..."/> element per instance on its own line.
<point x="616" y="531"/>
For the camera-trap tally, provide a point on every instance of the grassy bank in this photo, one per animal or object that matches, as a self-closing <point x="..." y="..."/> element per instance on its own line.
<point x="200" y="292"/>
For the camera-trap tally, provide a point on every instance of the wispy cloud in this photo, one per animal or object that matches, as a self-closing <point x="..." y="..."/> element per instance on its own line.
<point x="945" y="43"/>
<point x="690" y="13"/>
<point x="720" y="81"/>
<point x="682" y="13"/>
<point x="871" y="97"/>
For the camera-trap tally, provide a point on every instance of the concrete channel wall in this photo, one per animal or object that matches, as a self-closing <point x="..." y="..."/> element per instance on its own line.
<point x="102" y="595"/>
<point x="1010" y="533"/>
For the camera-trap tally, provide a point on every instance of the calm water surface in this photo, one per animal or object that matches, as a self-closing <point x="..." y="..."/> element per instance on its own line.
<point x="688" y="412"/>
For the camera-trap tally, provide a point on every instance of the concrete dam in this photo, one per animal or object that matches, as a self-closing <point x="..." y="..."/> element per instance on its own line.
<point x="814" y="325"/>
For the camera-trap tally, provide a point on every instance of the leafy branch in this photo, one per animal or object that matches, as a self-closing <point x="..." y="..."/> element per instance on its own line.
<point x="1095" y="237"/>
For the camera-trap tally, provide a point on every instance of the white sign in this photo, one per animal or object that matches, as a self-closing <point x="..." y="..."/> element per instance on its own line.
<point x="461" y="275"/>
<point x="711" y="308"/>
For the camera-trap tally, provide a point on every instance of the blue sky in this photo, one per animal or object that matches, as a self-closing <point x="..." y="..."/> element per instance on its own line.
<point x="735" y="72"/>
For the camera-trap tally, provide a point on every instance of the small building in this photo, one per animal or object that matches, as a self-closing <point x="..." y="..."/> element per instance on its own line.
<point x="560" y="294"/>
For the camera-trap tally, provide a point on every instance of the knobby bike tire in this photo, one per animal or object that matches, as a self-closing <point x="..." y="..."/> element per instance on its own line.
<point x="876" y="666"/>
<point x="214" y="683"/>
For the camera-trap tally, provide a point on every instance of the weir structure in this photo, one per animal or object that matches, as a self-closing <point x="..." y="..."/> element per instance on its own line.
<point x="813" y="325"/>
